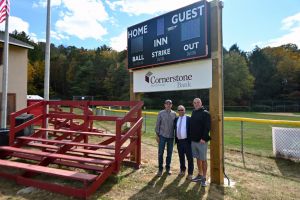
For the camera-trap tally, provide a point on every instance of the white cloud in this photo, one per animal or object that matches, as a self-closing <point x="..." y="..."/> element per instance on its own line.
<point x="79" y="18"/>
<point x="119" y="43"/>
<point x="58" y="36"/>
<point x="82" y="18"/>
<point x="292" y="25"/>
<point x="33" y="37"/>
<point x="16" y="23"/>
<point x="43" y="3"/>
<point x="291" y="21"/>
<point x="138" y="7"/>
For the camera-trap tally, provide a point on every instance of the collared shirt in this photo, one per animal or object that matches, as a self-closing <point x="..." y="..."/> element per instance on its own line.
<point x="182" y="134"/>
<point x="165" y="123"/>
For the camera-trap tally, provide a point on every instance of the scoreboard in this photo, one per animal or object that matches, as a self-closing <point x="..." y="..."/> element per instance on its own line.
<point x="176" y="36"/>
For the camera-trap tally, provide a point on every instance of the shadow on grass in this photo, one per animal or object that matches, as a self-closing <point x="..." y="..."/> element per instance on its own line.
<point x="177" y="189"/>
<point x="288" y="172"/>
<point x="289" y="168"/>
<point x="109" y="184"/>
<point x="152" y="189"/>
<point x="216" y="192"/>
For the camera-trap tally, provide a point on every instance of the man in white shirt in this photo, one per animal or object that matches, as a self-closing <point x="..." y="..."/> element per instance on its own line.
<point x="182" y="138"/>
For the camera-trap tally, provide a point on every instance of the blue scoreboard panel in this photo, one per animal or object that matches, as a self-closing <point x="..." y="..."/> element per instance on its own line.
<point x="179" y="35"/>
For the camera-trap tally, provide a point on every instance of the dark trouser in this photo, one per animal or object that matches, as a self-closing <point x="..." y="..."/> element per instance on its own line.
<point x="161" y="148"/>
<point x="184" y="149"/>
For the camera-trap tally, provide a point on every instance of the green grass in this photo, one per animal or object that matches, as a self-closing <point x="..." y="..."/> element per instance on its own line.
<point x="257" y="137"/>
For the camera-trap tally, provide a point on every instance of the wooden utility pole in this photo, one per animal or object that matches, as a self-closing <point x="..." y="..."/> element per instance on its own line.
<point x="216" y="94"/>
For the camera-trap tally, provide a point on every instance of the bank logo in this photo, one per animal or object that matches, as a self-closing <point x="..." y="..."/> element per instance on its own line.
<point x="147" y="77"/>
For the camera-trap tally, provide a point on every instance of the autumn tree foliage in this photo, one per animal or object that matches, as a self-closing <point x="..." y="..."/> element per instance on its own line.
<point x="270" y="73"/>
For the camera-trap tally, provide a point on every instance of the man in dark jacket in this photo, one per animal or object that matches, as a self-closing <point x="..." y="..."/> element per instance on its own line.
<point x="183" y="140"/>
<point x="200" y="127"/>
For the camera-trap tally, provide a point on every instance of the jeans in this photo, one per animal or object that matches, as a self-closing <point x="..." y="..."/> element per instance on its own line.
<point x="184" y="149"/>
<point x="161" y="148"/>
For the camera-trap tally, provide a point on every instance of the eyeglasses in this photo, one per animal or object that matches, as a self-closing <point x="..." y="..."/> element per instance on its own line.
<point x="180" y="110"/>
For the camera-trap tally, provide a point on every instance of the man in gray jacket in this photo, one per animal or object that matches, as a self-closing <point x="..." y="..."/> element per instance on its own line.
<point x="165" y="135"/>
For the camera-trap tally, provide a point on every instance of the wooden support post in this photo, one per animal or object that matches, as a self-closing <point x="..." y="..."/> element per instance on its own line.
<point x="216" y="94"/>
<point x="133" y="96"/>
<point x="135" y="154"/>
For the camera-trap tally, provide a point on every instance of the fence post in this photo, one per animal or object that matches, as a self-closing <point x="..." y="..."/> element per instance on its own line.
<point x="242" y="141"/>
<point x="117" y="145"/>
<point x="145" y="124"/>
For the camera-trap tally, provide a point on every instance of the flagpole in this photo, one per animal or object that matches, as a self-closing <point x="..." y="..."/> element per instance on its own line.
<point x="5" y="76"/>
<point x="47" y="61"/>
<point x="47" y="53"/>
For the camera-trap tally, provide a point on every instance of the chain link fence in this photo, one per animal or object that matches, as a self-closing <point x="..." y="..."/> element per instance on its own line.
<point x="286" y="142"/>
<point x="240" y="134"/>
<point x="267" y="106"/>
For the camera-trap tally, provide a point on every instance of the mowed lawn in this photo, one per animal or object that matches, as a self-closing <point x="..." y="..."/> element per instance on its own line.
<point x="257" y="137"/>
<point x="259" y="177"/>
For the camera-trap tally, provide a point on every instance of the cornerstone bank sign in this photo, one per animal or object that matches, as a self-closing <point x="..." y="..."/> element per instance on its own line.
<point x="185" y="76"/>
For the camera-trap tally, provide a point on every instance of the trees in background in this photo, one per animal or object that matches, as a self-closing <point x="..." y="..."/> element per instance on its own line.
<point x="238" y="82"/>
<point x="262" y="74"/>
<point x="276" y="71"/>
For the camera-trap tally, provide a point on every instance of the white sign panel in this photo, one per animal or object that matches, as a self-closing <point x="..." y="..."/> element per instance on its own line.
<point x="184" y="76"/>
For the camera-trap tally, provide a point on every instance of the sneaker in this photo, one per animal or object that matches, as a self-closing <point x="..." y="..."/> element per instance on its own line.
<point x="159" y="173"/>
<point x="203" y="182"/>
<point x="189" y="177"/>
<point x="198" y="178"/>
<point x="169" y="172"/>
<point x="182" y="173"/>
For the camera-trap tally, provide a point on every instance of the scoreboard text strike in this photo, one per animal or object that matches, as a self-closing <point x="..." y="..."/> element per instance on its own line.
<point x="173" y="37"/>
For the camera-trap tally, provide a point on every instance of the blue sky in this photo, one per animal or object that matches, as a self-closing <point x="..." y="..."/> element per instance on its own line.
<point x="92" y="23"/>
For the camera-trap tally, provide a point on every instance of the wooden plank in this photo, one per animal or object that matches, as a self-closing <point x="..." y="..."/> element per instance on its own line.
<point x="79" y="150"/>
<point x="47" y="170"/>
<point x="93" y="152"/>
<point x="66" y="143"/>
<point x="76" y="132"/>
<point x="61" y="162"/>
<point x="41" y="145"/>
<point x="56" y="155"/>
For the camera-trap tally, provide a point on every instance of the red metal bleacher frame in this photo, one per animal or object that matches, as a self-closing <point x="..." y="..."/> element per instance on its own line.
<point x="84" y="153"/>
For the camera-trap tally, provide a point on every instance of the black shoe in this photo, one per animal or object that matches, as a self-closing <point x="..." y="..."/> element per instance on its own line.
<point x="159" y="173"/>
<point x="182" y="173"/>
<point x="169" y="172"/>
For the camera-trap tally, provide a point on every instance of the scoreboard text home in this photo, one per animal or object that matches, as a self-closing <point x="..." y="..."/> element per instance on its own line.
<point x="179" y="35"/>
